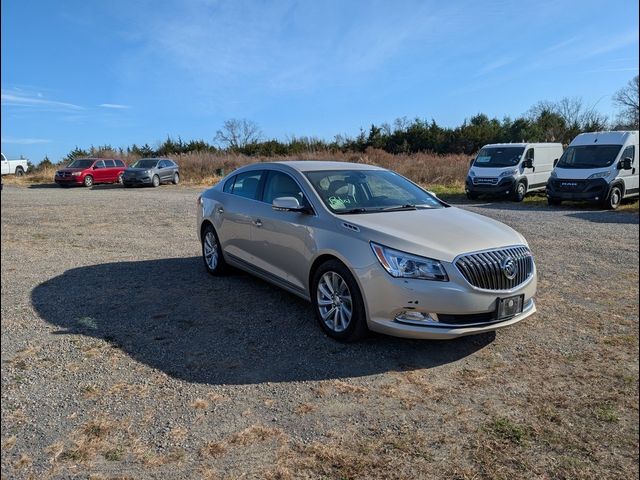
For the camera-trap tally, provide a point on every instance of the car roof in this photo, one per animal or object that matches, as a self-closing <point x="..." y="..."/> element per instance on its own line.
<point x="604" y="138"/>
<point x="532" y="144"/>
<point x="317" y="165"/>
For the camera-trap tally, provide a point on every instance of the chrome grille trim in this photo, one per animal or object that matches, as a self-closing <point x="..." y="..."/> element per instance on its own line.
<point x="483" y="271"/>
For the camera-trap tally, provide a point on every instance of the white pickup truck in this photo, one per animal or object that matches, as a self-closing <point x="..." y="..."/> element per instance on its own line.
<point x="14" y="167"/>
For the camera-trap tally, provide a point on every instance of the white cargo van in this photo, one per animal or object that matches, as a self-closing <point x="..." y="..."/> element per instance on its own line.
<point x="598" y="166"/>
<point x="512" y="169"/>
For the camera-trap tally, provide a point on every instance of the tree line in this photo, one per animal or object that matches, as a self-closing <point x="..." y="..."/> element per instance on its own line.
<point x="546" y="121"/>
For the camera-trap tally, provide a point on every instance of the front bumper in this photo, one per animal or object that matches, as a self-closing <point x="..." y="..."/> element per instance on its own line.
<point x="455" y="301"/>
<point x="568" y="189"/>
<point x="77" y="180"/>
<point x="502" y="187"/>
<point x="137" y="180"/>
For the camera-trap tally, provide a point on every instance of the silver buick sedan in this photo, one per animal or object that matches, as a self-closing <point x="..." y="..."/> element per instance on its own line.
<point x="370" y="249"/>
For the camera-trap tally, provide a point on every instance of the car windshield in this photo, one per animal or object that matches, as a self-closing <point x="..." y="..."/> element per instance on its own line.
<point x="589" y="156"/>
<point x="497" y="157"/>
<point x="367" y="191"/>
<point x="145" y="163"/>
<point x="80" y="164"/>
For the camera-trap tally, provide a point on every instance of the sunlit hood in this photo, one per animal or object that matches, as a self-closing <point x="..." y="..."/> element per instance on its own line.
<point x="491" y="172"/>
<point x="578" y="173"/>
<point x="441" y="233"/>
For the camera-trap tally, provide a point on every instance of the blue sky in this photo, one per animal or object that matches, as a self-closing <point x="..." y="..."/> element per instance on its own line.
<point x="118" y="72"/>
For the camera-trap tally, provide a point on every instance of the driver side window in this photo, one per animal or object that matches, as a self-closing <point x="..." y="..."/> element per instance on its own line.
<point x="280" y="184"/>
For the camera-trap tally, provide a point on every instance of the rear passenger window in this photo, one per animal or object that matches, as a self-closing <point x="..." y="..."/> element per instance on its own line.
<point x="246" y="184"/>
<point x="228" y="185"/>
<point x="109" y="163"/>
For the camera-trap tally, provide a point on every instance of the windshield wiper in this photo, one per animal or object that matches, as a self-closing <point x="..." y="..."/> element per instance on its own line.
<point x="353" y="210"/>
<point x="408" y="206"/>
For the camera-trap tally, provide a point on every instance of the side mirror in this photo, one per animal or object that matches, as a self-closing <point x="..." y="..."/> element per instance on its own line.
<point x="555" y="162"/>
<point x="626" y="164"/>
<point x="287" y="204"/>
<point x="528" y="163"/>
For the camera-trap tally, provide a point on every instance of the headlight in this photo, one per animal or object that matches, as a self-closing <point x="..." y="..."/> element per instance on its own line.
<point x="472" y="173"/>
<point x="509" y="173"/>
<point x="598" y="175"/>
<point x="404" y="265"/>
<point x="147" y="172"/>
<point x="76" y="174"/>
<point x="553" y="174"/>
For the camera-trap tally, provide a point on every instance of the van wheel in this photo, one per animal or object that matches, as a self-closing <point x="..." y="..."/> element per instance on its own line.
<point x="337" y="302"/>
<point x="88" y="181"/>
<point x="212" y="252"/>
<point x="19" y="171"/>
<point x="519" y="191"/>
<point x="554" y="202"/>
<point x="472" y="196"/>
<point x="614" y="199"/>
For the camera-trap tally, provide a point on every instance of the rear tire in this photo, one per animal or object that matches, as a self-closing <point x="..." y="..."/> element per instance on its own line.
<point x="88" y="181"/>
<point x="520" y="191"/>
<point x="345" y="300"/>
<point x="614" y="198"/>
<point x="212" y="252"/>
<point x="155" y="181"/>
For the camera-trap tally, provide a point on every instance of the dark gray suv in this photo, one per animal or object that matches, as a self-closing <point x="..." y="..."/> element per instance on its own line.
<point x="151" y="171"/>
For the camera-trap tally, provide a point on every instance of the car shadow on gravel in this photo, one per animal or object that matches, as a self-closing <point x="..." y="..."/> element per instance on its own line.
<point x="171" y="315"/>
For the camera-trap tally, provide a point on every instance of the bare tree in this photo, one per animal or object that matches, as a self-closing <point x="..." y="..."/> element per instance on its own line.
<point x="627" y="99"/>
<point x="238" y="133"/>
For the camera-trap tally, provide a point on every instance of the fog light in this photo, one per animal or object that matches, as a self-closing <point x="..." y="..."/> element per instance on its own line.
<point x="417" y="318"/>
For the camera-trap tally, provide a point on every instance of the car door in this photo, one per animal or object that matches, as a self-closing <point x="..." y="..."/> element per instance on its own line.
<point x="281" y="241"/>
<point x="5" y="165"/>
<point x="236" y="214"/>
<point x="630" y="177"/>
<point x="164" y="171"/>
<point x="110" y="174"/>
<point x="99" y="172"/>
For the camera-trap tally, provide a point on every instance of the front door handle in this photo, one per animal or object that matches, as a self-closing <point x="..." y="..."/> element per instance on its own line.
<point x="257" y="222"/>
<point x="220" y="210"/>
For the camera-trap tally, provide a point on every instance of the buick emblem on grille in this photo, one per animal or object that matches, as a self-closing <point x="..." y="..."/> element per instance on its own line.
<point x="509" y="268"/>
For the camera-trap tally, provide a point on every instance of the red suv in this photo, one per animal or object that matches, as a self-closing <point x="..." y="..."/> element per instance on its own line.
<point x="89" y="171"/>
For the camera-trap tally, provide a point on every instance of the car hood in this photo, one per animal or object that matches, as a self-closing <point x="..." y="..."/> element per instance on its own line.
<point x="578" y="173"/>
<point x="490" y="171"/>
<point x="442" y="233"/>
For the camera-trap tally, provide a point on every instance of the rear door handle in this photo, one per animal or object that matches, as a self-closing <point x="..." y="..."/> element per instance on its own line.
<point x="257" y="222"/>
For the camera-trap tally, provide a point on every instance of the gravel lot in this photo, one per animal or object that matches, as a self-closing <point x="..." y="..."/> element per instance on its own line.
<point x="122" y="358"/>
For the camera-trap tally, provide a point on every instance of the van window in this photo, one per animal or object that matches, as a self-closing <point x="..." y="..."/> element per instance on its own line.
<point x="529" y="155"/>
<point x="99" y="164"/>
<point x="496" y="157"/>
<point x="589" y="156"/>
<point x="109" y="163"/>
<point x="119" y="163"/>
<point x="629" y="152"/>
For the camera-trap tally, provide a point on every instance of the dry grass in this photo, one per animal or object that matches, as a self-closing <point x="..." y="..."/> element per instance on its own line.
<point x="205" y="168"/>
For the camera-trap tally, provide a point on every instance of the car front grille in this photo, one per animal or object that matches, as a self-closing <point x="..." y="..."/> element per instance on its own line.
<point x="488" y="270"/>
<point x="485" y="181"/>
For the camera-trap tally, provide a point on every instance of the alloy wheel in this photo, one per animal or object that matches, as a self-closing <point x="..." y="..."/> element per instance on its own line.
<point x="211" y="250"/>
<point x="334" y="301"/>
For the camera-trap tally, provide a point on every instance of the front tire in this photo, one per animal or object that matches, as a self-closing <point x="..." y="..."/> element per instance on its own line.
<point x="88" y="181"/>
<point x="472" y="196"/>
<point x="614" y="198"/>
<point x="19" y="171"/>
<point x="337" y="302"/>
<point x="155" y="181"/>
<point x="212" y="252"/>
<point x="176" y="178"/>
<point x="554" y="202"/>
<point x="519" y="191"/>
